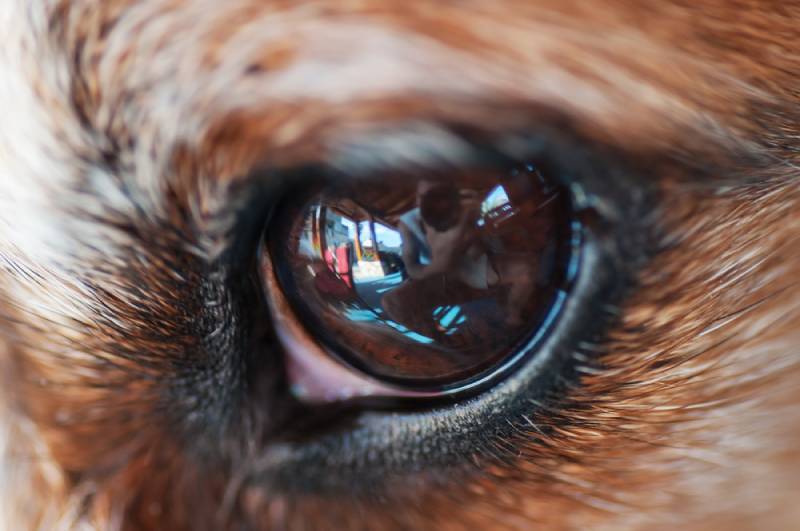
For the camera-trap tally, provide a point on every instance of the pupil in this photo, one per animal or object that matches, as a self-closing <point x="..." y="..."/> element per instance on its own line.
<point x="428" y="282"/>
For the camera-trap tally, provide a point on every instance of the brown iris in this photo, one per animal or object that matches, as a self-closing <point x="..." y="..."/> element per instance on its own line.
<point x="425" y="282"/>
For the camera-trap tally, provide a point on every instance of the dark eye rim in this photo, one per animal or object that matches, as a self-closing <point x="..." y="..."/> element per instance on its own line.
<point x="617" y="201"/>
<point x="405" y="390"/>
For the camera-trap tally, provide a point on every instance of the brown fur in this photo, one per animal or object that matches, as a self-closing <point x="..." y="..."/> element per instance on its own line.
<point x="691" y="421"/>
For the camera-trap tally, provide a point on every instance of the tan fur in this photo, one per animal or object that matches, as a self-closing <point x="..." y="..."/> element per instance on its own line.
<point x="693" y="421"/>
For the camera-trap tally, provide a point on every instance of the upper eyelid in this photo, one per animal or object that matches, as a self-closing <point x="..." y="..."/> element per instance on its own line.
<point x="424" y="143"/>
<point x="448" y="153"/>
<point x="567" y="158"/>
<point x="407" y="149"/>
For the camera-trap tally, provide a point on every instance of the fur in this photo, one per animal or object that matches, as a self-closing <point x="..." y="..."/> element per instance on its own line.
<point x="132" y="132"/>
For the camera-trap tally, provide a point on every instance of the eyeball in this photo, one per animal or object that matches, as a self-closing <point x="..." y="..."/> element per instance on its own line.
<point x="419" y="286"/>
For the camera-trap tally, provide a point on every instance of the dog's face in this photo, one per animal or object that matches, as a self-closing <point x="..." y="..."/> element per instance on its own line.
<point x="146" y="145"/>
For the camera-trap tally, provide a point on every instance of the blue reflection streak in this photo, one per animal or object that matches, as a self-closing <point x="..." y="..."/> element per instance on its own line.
<point x="357" y="315"/>
<point x="575" y="243"/>
<point x="408" y="333"/>
<point x="450" y="316"/>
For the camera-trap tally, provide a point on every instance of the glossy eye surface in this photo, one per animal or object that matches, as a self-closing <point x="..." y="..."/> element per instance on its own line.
<point x="426" y="283"/>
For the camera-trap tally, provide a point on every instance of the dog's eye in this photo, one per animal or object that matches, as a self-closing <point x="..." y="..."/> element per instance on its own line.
<point x="417" y="286"/>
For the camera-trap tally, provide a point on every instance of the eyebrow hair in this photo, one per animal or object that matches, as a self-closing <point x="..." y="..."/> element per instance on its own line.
<point x="589" y="77"/>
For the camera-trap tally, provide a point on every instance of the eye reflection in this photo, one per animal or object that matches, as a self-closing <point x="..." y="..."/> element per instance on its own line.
<point x="430" y="281"/>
